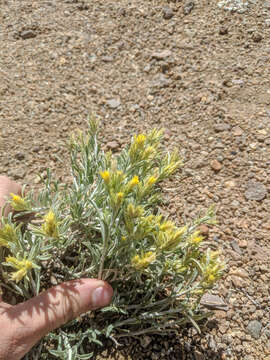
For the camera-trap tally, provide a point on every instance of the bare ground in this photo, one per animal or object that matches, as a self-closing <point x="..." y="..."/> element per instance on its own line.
<point x="200" y="72"/>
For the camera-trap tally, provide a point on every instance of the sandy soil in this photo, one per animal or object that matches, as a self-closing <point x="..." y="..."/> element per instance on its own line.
<point x="193" y="68"/>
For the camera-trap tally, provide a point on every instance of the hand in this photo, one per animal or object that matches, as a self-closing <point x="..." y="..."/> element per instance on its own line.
<point x="23" y="325"/>
<point x="7" y="186"/>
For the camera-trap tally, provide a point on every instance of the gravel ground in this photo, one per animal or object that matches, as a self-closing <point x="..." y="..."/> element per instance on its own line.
<point x="197" y="70"/>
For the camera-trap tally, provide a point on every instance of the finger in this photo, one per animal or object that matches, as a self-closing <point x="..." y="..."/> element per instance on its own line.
<point x="36" y="317"/>
<point x="8" y="186"/>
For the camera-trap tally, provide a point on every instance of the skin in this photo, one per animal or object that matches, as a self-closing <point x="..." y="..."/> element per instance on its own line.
<point x="26" y="323"/>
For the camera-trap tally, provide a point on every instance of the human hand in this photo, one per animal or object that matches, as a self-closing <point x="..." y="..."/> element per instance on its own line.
<point x="23" y="325"/>
<point x="7" y="186"/>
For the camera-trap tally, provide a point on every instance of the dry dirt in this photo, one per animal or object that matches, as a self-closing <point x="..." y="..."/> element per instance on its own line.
<point x="200" y="72"/>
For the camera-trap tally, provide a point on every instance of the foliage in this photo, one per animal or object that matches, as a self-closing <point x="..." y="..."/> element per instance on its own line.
<point x="106" y="225"/>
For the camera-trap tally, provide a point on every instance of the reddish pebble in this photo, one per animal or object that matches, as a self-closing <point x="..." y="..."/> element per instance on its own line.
<point x="216" y="165"/>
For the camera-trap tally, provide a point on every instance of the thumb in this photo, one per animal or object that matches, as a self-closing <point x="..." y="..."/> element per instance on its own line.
<point x="28" y="322"/>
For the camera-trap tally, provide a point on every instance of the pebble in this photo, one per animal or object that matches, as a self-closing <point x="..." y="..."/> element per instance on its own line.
<point x="28" y="34"/>
<point x="167" y="13"/>
<point x="112" y="145"/>
<point x="216" y="165"/>
<point x="19" y="156"/>
<point x="255" y="191"/>
<point x="237" y="131"/>
<point x="160" y="81"/>
<point x="257" y="37"/>
<point x="113" y="103"/>
<point x="223" y="31"/>
<point x="161" y="55"/>
<point x="242" y="244"/>
<point x="254" y="328"/>
<point x="204" y="229"/>
<point x="188" y="7"/>
<point x="222" y="127"/>
<point x="267" y="22"/>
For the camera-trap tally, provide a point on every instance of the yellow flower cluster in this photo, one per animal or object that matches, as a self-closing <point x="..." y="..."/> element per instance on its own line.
<point x="143" y="261"/>
<point x="195" y="238"/>
<point x="171" y="237"/>
<point x="22" y="266"/>
<point x="18" y="203"/>
<point x="7" y="235"/>
<point x="212" y="268"/>
<point x="117" y="187"/>
<point x="144" y="147"/>
<point x="50" y="225"/>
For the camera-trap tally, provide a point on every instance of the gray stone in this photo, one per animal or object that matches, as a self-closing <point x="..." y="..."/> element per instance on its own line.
<point x="222" y="127"/>
<point x="160" y="81"/>
<point x="161" y="55"/>
<point x="254" y="328"/>
<point x="213" y="302"/>
<point x="188" y="7"/>
<point x="255" y="191"/>
<point x="19" y="156"/>
<point x="267" y="22"/>
<point x="113" y="103"/>
<point x="167" y="13"/>
<point x="28" y="34"/>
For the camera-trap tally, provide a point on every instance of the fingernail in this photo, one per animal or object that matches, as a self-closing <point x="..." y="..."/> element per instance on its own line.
<point x="101" y="297"/>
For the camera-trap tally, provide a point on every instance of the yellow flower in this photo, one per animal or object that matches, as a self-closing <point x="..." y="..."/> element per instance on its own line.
<point x="168" y="240"/>
<point x="124" y="238"/>
<point x="134" y="212"/>
<point x="143" y="261"/>
<point x="18" y="203"/>
<point x="105" y="176"/>
<point x="152" y="180"/>
<point x="166" y="225"/>
<point x="50" y="225"/>
<point x="7" y="234"/>
<point x="23" y="266"/>
<point x="119" y="198"/>
<point x="150" y="151"/>
<point x="196" y="238"/>
<point x="134" y="181"/>
<point x="140" y="139"/>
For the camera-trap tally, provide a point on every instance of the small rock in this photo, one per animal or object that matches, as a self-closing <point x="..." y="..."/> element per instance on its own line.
<point x="237" y="282"/>
<point x="230" y="184"/>
<point x="242" y="244"/>
<point x="167" y="13"/>
<point x="257" y="37"/>
<point x="204" y="229"/>
<point x="113" y="145"/>
<point x="255" y="191"/>
<point x="240" y="273"/>
<point x="28" y="34"/>
<point x="213" y="302"/>
<point x="223" y="31"/>
<point x="161" y="55"/>
<point x="107" y="59"/>
<point x="145" y="341"/>
<point x="188" y="7"/>
<point x="254" y="328"/>
<point x="216" y="165"/>
<point x="113" y="103"/>
<point x="160" y="81"/>
<point x="237" y="131"/>
<point x="19" y="156"/>
<point x="236" y="247"/>
<point x="267" y="22"/>
<point x="222" y="127"/>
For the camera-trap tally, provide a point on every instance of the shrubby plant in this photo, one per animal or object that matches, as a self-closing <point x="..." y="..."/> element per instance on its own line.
<point x="106" y="225"/>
